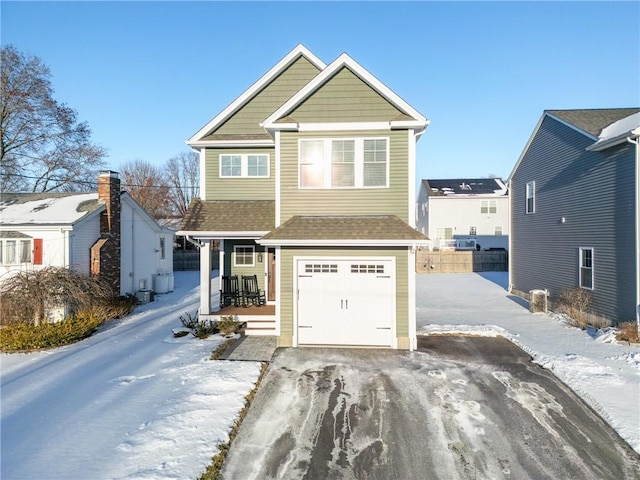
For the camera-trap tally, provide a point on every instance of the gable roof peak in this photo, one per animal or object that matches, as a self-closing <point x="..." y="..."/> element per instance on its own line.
<point x="299" y="51"/>
<point x="345" y="60"/>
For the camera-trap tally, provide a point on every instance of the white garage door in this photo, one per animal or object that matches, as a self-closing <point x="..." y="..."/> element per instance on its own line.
<point x="346" y="302"/>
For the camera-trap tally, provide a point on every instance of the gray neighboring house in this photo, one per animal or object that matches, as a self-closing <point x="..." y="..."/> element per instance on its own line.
<point x="574" y="209"/>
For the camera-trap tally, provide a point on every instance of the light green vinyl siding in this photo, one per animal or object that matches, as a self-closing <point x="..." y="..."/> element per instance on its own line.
<point x="247" y="119"/>
<point x="229" y="261"/>
<point x="356" y="201"/>
<point x="345" y="98"/>
<point x="238" y="188"/>
<point x="287" y="281"/>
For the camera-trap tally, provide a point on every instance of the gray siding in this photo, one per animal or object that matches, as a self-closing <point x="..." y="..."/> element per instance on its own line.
<point x="594" y="192"/>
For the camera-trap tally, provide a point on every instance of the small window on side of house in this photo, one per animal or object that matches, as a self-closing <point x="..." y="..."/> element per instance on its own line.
<point x="243" y="256"/>
<point x="497" y="230"/>
<point x="586" y="268"/>
<point x="530" y="193"/>
<point x="472" y="231"/>
<point x="162" y="248"/>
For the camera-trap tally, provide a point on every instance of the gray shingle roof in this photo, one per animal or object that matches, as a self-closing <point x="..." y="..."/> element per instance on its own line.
<point x="229" y="216"/>
<point x="593" y="121"/>
<point x="344" y="227"/>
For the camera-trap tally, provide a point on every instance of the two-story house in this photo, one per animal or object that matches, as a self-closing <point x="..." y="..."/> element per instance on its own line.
<point x="464" y="213"/>
<point x="307" y="182"/>
<point x="574" y="206"/>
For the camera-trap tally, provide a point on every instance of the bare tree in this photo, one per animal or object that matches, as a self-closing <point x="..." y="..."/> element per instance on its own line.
<point x="146" y="183"/>
<point x="182" y="174"/>
<point x="43" y="147"/>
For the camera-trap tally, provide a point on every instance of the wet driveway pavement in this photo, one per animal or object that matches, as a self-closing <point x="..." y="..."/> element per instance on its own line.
<point x="458" y="408"/>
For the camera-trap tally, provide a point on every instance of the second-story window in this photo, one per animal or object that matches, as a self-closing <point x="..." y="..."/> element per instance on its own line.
<point x="530" y="192"/>
<point x="244" y="165"/>
<point x="488" y="206"/>
<point x="344" y="163"/>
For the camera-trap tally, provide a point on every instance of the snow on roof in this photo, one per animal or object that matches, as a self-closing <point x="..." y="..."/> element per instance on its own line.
<point x="51" y="209"/>
<point x="621" y="128"/>
<point x="618" y="132"/>
<point x="466" y="186"/>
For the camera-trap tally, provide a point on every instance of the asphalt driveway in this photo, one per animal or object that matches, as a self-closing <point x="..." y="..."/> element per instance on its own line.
<point x="458" y="408"/>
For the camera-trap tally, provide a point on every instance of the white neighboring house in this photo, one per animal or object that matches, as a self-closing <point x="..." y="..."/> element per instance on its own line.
<point x="464" y="213"/>
<point x="105" y="233"/>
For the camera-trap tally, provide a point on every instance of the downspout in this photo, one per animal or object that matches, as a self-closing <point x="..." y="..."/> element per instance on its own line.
<point x="634" y="141"/>
<point x="192" y="241"/>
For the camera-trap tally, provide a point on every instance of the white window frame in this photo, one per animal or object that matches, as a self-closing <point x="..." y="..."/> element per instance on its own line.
<point x="22" y="247"/>
<point x="530" y="194"/>
<point x="326" y="165"/>
<point x="590" y="268"/>
<point x="244" y="255"/>
<point x="488" y="207"/>
<point x="244" y="164"/>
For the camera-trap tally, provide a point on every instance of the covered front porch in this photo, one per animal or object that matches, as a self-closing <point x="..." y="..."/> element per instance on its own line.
<point x="235" y="226"/>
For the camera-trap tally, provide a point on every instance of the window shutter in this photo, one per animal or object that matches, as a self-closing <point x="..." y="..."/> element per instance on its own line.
<point x="37" y="251"/>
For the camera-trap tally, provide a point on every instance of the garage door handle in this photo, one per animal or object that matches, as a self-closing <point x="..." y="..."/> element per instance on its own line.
<point x="305" y="326"/>
<point x="384" y="276"/>
<point x="383" y="328"/>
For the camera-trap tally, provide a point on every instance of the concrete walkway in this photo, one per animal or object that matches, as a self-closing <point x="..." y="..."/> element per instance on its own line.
<point x="252" y="348"/>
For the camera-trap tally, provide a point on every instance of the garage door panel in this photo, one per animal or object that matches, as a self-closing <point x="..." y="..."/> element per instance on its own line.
<point x="346" y="302"/>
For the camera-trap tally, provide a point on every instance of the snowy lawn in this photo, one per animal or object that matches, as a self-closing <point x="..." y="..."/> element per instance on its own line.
<point x="604" y="373"/>
<point x="132" y="401"/>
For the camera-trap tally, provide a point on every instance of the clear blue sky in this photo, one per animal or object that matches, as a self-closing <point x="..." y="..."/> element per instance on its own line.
<point x="148" y="75"/>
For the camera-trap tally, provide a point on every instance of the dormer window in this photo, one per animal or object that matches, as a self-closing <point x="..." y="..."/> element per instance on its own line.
<point x="244" y="165"/>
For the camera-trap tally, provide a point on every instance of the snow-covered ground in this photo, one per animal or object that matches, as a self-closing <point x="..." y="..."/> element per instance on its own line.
<point x="606" y="374"/>
<point x="134" y="402"/>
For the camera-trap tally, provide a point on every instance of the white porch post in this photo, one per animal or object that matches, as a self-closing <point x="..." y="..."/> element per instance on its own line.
<point x="205" y="277"/>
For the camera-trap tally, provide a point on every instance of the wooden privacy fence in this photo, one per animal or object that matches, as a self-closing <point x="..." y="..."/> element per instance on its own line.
<point x="452" y="261"/>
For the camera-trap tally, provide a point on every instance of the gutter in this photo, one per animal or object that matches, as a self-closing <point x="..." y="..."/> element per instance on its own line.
<point x="635" y="141"/>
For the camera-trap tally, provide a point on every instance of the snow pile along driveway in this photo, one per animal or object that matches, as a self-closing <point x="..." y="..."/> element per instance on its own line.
<point x="130" y="402"/>
<point x="604" y="373"/>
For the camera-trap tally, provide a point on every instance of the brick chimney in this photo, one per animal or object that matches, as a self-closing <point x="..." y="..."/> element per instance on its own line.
<point x="105" y="253"/>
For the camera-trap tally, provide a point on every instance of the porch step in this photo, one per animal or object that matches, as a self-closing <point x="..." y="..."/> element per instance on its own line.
<point x="258" y="332"/>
